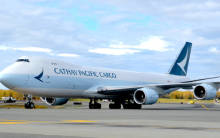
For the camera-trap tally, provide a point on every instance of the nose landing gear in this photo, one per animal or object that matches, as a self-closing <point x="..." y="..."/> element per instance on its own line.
<point x="29" y="104"/>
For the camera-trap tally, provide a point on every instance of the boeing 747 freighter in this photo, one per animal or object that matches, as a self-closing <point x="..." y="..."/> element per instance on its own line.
<point x="56" y="81"/>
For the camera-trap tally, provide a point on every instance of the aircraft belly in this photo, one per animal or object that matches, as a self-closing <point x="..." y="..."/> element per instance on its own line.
<point x="52" y="92"/>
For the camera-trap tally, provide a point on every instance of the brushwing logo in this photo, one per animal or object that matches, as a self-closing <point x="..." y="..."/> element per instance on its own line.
<point x="38" y="77"/>
<point x="182" y="63"/>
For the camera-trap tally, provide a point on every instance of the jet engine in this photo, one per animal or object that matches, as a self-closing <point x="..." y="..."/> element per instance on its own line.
<point x="54" y="101"/>
<point x="205" y="92"/>
<point x="145" y="96"/>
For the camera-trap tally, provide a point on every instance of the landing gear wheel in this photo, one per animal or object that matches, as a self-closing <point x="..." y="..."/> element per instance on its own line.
<point x="217" y="100"/>
<point x="98" y="106"/>
<point x="114" y="106"/>
<point x="29" y="105"/>
<point x="94" y="105"/>
<point x="91" y="106"/>
<point x="132" y="106"/>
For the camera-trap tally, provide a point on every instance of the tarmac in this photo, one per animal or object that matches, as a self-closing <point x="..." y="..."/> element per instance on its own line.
<point x="77" y="121"/>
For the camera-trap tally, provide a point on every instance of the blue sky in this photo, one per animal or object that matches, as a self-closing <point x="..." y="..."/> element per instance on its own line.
<point x="141" y="35"/>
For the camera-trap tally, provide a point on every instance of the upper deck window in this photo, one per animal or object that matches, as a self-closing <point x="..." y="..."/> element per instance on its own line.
<point x="23" y="60"/>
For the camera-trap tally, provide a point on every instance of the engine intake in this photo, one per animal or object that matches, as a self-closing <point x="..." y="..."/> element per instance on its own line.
<point x="54" y="101"/>
<point x="145" y="96"/>
<point x="205" y="92"/>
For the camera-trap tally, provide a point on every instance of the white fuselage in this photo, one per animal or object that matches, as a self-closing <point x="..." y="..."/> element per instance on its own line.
<point x="53" y="78"/>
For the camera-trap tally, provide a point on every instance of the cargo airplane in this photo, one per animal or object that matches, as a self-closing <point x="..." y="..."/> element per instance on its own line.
<point x="56" y="81"/>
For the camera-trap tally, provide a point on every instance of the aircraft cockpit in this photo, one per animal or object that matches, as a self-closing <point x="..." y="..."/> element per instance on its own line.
<point x="22" y="60"/>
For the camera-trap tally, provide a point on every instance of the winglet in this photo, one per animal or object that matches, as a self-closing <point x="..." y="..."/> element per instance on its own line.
<point x="180" y="66"/>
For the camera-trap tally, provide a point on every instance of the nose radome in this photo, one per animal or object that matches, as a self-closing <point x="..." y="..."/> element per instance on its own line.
<point x="0" y="77"/>
<point x="13" y="80"/>
<point x="14" y="76"/>
<point x="6" y="80"/>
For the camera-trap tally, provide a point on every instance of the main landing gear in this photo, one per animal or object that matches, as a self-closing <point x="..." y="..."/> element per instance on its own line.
<point x="93" y="104"/>
<point x="29" y="104"/>
<point x="127" y="104"/>
<point x="132" y="106"/>
<point x="115" y="105"/>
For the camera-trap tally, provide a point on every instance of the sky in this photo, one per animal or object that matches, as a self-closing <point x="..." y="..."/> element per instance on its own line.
<point x="140" y="35"/>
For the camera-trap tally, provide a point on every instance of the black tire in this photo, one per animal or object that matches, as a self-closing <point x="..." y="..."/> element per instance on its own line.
<point x="95" y="106"/>
<point x="32" y="106"/>
<point x="114" y="106"/>
<point x="29" y="105"/>
<point x="91" y="106"/>
<point x="132" y="106"/>
<point x="125" y="106"/>
<point x="98" y="106"/>
<point x="26" y="106"/>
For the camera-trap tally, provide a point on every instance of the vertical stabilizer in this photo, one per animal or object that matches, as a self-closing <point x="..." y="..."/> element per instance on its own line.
<point x="180" y="66"/>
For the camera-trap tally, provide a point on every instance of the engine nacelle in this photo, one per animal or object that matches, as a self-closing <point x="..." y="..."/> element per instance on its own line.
<point x="205" y="92"/>
<point x="145" y="96"/>
<point x="54" y="101"/>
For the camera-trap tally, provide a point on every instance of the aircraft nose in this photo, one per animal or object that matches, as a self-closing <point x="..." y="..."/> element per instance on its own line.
<point x="0" y="77"/>
<point x="12" y="81"/>
<point x="14" y="76"/>
<point x="6" y="80"/>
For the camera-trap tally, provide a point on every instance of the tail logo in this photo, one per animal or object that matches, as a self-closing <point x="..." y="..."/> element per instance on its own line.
<point x="182" y="64"/>
<point x="39" y="77"/>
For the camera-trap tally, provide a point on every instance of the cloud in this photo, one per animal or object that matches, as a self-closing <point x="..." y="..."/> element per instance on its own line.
<point x="34" y="49"/>
<point x="4" y="48"/>
<point x="113" y="51"/>
<point x="214" y="50"/>
<point x="67" y="55"/>
<point x="38" y="49"/>
<point x="153" y="43"/>
<point x="193" y="10"/>
<point x="27" y="49"/>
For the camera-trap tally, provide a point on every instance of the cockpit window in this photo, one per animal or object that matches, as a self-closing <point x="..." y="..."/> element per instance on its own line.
<point x="23" y="60"/>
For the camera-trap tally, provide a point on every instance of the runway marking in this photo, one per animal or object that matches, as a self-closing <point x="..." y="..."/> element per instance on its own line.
<point x="203" y="106"/>
<point x="79" y="121"/>
<point x="57" y="107"/>
<point x="12" y="122"/>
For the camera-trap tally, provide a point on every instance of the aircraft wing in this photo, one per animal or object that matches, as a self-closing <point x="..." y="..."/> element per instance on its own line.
<point x="111" y="90"/>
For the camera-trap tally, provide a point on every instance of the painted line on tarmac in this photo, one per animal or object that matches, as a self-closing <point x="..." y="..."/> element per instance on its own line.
<point x="78" y="121"/>
<point x="13" y="122"/>
<point x="203" y="106"/>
